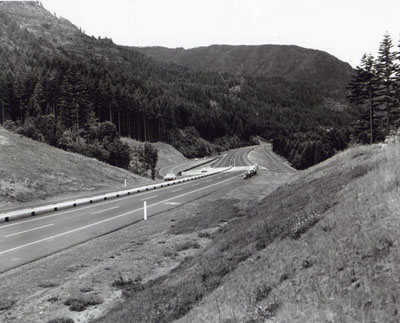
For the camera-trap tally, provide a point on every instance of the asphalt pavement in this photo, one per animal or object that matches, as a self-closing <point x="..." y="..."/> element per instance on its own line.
<point x="29" y="239"/>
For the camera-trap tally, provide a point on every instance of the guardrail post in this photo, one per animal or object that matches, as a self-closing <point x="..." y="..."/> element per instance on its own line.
<point x="145" y="210"/>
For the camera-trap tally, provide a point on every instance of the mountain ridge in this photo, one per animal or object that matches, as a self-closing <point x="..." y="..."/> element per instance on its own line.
<point x="290" y="61"/>
<point x="50" y="66"/>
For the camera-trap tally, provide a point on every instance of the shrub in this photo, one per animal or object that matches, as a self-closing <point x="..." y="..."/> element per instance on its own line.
<point x="81" y="302"/>
<point x="6" y="304"/>
<point x="262" y="292"/>
<point x="121" y="282"/>
<point x="9" y="125"/>
<point x="61" y="320"/>
<point x="204" y="235"/>
<point x="187" y="245"/>
<point x="49" y="128"/>
<point x="29" y="130"/>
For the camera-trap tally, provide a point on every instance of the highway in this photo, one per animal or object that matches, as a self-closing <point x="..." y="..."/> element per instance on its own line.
<point x="32" y="238"/>
<point x="235" y="158"/>
<point x="273" y="162"/>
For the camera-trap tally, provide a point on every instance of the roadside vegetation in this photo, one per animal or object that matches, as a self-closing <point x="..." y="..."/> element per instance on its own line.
<point x="25" y="174"/>
<point x="64" y="83"/>
<point x="320" y="248"/>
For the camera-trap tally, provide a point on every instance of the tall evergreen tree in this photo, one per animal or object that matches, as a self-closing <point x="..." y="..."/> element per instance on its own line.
<point x="385" y="68"/>
<point x="364" y="90"/>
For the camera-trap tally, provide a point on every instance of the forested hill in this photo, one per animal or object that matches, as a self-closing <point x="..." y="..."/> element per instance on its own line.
<point x="292" y="62"/>
<point x="59" y="85"/>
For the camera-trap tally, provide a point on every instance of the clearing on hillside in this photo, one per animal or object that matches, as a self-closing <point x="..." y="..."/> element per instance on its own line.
<point x="33" y="171"/>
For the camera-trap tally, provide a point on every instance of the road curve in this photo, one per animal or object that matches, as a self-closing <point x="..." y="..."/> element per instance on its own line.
<point x="29" y="239"/>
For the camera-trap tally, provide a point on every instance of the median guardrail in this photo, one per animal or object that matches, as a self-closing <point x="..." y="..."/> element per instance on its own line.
<point x="33" y="211"/>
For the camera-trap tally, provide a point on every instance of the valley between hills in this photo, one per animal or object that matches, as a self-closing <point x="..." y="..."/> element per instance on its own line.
<point x="295" y="217"/>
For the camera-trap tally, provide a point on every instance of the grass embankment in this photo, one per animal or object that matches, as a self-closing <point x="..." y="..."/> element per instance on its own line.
<point x="322" y="248"/>
<point x="167" y="155"/>
<point x="32" y="171"/>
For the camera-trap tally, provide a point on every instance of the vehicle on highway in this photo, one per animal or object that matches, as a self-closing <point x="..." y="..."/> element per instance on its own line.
<point x="251" y="172"/>
<point x="169" y="177"/>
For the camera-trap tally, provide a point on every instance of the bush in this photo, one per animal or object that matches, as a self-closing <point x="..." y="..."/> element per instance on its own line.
<point x="10" y="125"/>
<point x="49" y="128"/>
<point x="29" y="130"/>
<point x="262" y="292"/>
<point x="119" y="153"/>
<point x="187" y="245"/>
<point x="204" y="235"/>
<point x="81" y="302"/>
<point x="61" y="320"/>
<point x="6" y="304"/>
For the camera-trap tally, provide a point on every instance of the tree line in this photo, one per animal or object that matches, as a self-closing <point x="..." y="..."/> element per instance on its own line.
<point x="375" y="86"/>
<point x="84" y="99"/>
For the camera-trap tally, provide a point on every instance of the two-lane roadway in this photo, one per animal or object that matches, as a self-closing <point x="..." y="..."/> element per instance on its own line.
<point x="32" y="238"/>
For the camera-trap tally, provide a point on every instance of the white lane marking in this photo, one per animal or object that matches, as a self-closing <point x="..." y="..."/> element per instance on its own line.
<point x="148" y="198"/>
<point x="22" y="232"/>
<point x="102" y="211"/>
<point x="110" y="219"/>
<point x="180" y="189"/>
<point x="172" y="203"/>
<point x="196" y="184"/>
<point x="42" y="217"/>
<point x="210" y="180"/>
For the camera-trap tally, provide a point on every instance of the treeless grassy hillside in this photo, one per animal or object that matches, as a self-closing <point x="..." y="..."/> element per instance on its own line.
<point x="33" y="171"/>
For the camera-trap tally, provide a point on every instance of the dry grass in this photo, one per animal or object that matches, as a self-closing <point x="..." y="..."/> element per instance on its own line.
<point x="31" y="171"/>
<point x="343" y="269"/>
<point x="323" y="248"/>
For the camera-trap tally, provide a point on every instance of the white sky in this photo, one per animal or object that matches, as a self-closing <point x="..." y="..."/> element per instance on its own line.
<point x="344" y="28"/>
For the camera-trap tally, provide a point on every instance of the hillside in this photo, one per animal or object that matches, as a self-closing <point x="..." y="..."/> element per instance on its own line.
<point x="31" y="171"/>
<point x="321" y="248"/>
<point x="317" y="246"/>
<point x="49" y="66"/>
<point x="291" y="62"/>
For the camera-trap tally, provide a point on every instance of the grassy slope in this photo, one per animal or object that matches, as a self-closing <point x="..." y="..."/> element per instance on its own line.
<point x="167" y="155"/>
<point x="336" y="259"/>
<point x="322" y="248"/>
<point x="32" y="171"/>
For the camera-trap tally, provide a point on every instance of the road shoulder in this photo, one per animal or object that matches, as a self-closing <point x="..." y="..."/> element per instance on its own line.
<point x="37" y="292"/>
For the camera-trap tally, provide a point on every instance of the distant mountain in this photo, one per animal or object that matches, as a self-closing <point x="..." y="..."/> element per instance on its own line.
<point x="58" y="84"/>
<point x="291" y="62"/>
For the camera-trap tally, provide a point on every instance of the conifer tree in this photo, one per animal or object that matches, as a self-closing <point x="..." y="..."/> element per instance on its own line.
<point x="385" y="68"/>
<point x="364" y="90"/>
<point x="396" y="112"/>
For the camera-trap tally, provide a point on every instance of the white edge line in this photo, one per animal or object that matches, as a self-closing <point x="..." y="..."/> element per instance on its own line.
<point x="87" y="207"/>
<point x="109" y="219"/>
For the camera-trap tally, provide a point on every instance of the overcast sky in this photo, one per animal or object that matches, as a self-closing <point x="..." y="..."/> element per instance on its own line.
<point x="344" y="28"/>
